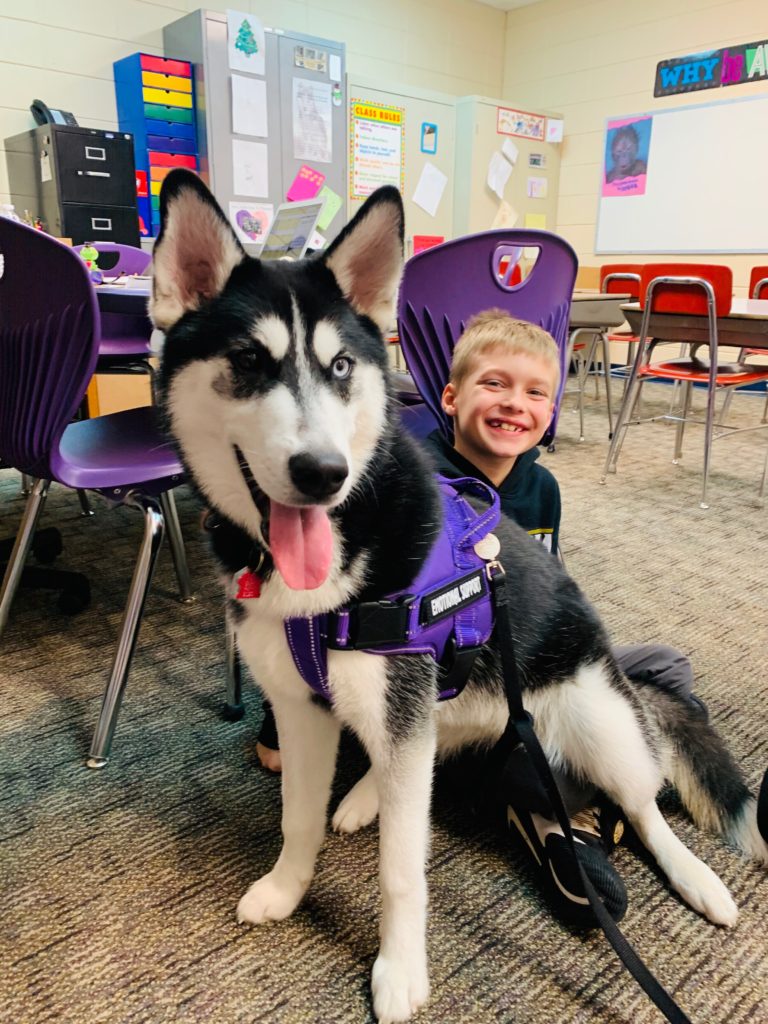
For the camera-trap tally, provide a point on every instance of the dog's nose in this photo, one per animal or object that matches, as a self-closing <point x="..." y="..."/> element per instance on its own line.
<point x="318" y="475"/>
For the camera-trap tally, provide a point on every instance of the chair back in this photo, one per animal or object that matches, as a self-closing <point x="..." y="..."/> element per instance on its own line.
<point x="621" y="277"/>
<point x="758" y="283"/>
<point x="49" y="337"/>
<point x="446" y="285"/>
<point x="686" y="295"/>
<point x="127" y="258"/>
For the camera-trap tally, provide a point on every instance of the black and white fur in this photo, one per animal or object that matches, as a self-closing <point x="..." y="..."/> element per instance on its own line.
<point x="254" y="376"/>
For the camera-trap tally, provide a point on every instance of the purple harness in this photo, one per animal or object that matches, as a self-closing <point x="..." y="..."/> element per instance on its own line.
<point x="446" y="613"/>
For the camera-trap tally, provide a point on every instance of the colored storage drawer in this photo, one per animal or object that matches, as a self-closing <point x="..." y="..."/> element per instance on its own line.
<point x="145" y="216"/>
<point x="166" y="97"/>
<point x="154" y="188"/>
<point x="171" y="160"/>
<point x="175" y="129"/>
<point x="157" y="81"/>
<point x="157" y="111"/>
<point x="154" y="202"/>
<point x="169" y="144"/>
<point x="165" y="65"/>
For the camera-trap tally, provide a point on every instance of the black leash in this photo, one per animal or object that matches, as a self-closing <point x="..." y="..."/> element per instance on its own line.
<point x="520" y="729"/>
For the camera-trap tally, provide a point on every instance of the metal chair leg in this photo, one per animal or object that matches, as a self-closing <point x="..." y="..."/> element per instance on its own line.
<point x="176" y="542"/>
<point x="687" y="392"/>
<point x="22" y="544"/>
<point x="137" y="596"/>
<point x="85" y="505"/>
<point x="761" y="492"/>
<point x="607" y="374"/>
<point x="234" y="708"/>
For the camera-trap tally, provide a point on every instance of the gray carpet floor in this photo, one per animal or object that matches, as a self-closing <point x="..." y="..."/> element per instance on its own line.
<point x="119" y="886"/>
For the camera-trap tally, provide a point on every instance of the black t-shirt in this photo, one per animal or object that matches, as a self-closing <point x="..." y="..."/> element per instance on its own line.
<point x="529" y="495"/>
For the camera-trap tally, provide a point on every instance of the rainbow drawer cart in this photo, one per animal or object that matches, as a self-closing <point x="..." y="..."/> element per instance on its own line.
<point x="156" y="102"/>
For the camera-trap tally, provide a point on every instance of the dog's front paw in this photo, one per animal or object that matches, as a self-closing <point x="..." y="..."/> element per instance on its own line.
<point x="399" y="989"/>
<point x="702" y="889"/>
<point x="270" y="899"/>
<point x="359" y="807"/>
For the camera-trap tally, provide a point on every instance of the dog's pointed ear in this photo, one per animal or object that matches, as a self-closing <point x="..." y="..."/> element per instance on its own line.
<point x="367" y="257"/>
<point x="195" y="251"/>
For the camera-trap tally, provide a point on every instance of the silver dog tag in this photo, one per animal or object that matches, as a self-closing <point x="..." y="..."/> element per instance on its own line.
<point x="488" y="547"/>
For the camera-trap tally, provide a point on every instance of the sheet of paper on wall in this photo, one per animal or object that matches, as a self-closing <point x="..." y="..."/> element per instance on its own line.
<point x="499" y="171"/>
<point x="536" y="220"/>
<point x="430" y="188"/>
<point x="305" y="185"/>
<point x="334" y="67"/>
<point x="312" y="135"/>
<point x="251" y="221"/>
<point x="332" y="206"/>
<point x="537" y="188"/>
<point x="250" y="174"/>
<point x="317" y="241"/>
<point x="249" y="106"/>
<point x="510" y="151"/>
<point x="554" y="129"/>
<point x="245" y="43"/>
<point x="506" y="216"/>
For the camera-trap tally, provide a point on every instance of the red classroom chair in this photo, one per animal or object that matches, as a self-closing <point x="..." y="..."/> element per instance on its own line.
<point x="694" y="289"/>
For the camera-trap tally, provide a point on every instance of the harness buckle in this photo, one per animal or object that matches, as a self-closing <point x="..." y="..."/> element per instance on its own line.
<point x="377" y="623"/>
<point x="455" y="669"/>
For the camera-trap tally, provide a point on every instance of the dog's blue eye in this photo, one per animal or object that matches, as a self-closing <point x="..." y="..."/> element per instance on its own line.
<point x="246" y="360"/>
<point x="341" y="368"/>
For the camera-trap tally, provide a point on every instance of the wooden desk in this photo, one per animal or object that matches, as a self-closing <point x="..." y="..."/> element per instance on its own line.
<point x="745" y="326"/>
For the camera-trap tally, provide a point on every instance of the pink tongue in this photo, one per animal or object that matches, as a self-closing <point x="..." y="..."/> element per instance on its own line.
<point x="301" y="543"/>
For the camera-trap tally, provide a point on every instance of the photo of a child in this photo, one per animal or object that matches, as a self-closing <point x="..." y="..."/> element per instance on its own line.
<point x="627" y="146"/>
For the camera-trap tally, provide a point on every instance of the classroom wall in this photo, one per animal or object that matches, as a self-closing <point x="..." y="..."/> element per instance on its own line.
<point x="593" y="59"/>
<point x="62" y="52"/>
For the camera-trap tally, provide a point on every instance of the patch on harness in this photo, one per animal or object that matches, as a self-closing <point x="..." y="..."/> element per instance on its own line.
<point x="453" y="597"/>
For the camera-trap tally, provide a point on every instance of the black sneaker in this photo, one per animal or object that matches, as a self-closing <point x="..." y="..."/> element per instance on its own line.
<point x="597" y="830"/>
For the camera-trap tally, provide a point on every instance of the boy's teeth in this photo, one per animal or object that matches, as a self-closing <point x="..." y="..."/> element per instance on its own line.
<point x="506" y="426"/>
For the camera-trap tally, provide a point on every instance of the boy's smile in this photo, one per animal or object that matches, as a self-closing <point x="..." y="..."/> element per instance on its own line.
<point x="501" y="409"/>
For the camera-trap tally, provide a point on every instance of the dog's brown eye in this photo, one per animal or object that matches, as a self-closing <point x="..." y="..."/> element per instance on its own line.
<point x="341" y="368"/>
<point x="246" y="360"/>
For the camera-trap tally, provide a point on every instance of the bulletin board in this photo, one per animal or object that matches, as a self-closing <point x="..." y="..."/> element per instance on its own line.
<point x="704" y="186"/>
<point x="427" y="121"/>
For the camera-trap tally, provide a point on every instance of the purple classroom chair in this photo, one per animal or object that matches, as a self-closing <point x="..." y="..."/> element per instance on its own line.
<point x="49" y="342"/>
<point x="446" y="285"/>
<point x="125" y="337"/>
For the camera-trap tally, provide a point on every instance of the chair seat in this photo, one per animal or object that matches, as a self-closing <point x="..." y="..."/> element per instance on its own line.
<point x="137" y="347"/>
<point x="628" y="338"/>
<point x="698" y="371"/>
<point x="116" y="451"/>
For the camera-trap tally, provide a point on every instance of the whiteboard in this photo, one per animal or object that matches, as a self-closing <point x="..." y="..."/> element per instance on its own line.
<point x="706" y="187"/>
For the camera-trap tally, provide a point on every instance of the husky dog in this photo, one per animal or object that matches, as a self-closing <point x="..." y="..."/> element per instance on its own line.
<point x="276" y="390"/>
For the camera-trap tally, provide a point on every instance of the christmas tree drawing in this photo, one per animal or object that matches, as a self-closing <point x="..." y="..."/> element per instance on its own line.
<point x="246" y="41"/>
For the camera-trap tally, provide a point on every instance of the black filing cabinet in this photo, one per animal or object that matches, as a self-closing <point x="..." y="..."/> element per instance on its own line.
<point x="81" y="182"/>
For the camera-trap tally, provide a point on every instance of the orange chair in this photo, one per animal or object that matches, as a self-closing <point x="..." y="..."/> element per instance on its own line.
<point x="694" y="289"/>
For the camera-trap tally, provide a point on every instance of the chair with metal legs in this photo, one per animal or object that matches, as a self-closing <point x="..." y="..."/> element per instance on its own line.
<point x="49" y="347"/>
<point x="758" y="289"/>
<point x="694" y="289"/>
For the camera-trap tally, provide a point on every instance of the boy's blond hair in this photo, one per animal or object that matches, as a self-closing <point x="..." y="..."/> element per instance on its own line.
<point x="496" y="329"/>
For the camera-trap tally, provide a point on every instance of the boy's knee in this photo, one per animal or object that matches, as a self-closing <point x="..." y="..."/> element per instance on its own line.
<point x="660" y="664"/>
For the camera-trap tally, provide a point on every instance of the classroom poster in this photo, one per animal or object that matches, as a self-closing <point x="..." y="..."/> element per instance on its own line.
<point x="627" y="148"/>
<point x="376" y="150"/>
<point x="245" y="43"/>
